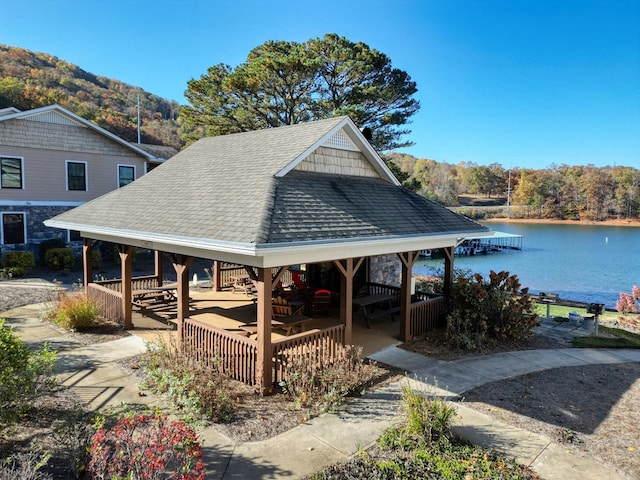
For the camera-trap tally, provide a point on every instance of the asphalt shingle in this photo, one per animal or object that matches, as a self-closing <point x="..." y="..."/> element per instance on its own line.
<point x="225" y="188"/>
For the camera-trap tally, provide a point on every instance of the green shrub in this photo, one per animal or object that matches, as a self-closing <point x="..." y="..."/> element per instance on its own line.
<point x="73" y="431"/>
<point x="74" y="311"/>
<point x="58" y="259"/>
<point x="323" y="383"/>
<point x="18" y="263"/>
<point x="49" y="244"/>
<point x="421" y="446"/>
<point x="427" y="421"/>
<point x="484" y="312"/>
<point x="23" y="375"/>
<point x="96" y="259"/>
<point x="198" y="390"/>
<point x="25" y="466"/>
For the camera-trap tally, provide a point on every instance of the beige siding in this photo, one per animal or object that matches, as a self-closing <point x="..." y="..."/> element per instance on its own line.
<point x="335" y="161"/>
<point x="54" y="136"/>
<point x="45" y="174"/>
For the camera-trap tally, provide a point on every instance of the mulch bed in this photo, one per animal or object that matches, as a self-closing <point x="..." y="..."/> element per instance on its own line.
<point x="592" y="409"/>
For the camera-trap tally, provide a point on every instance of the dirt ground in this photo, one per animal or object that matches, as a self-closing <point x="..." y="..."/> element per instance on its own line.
<point x="591" y="409"/>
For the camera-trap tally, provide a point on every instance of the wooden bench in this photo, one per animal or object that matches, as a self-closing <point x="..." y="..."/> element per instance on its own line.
<point x="294" y="324"/>
<point x="390" y="311"/>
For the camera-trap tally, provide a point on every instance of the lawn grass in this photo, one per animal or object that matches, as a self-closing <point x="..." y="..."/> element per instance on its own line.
<point x="563" y="312"/>
<point x="622" y="339"/>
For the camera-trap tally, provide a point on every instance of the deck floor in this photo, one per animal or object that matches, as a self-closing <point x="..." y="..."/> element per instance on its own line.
<point x="229" y="310"/>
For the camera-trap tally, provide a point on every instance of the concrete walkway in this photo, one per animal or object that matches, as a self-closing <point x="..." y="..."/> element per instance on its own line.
<point x="89" y="371"/>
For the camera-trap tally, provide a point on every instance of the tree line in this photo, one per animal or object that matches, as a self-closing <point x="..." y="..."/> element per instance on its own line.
<point x="566" y="192"/>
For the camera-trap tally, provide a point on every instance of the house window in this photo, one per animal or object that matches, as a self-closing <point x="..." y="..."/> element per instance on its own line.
<point x="126" y="175"/>
<point x="74" y="236"/>
<point x="76" y="175"/>
<point x="13" y="228"/>
<point x="10" y="172"/>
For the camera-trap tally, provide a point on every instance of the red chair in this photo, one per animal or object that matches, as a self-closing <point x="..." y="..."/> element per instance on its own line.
<point x="297" y="281"/>
<point x="321" y="303"/>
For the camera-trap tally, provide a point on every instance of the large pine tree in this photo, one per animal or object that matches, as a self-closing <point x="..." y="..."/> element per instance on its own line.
<point x="283" y="83"/>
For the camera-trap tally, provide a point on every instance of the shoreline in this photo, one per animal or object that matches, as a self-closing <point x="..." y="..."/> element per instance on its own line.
<point x="550" y="221"/>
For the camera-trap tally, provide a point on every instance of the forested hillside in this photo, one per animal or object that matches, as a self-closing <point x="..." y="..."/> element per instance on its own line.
<point x="559" y="192"/>
<point x="32" y="80"/>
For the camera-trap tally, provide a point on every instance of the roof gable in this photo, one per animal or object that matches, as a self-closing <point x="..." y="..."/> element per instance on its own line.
<point x="55" y="114"/>
<point x="343" y="135"/>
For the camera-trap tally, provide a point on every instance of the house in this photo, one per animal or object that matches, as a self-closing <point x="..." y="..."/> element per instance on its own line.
<point x="51" y="161"/>
<point x="315" y="193"/>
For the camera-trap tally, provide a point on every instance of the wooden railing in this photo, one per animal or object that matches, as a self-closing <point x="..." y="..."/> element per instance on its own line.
<point x="236" y="270"/>
<point x="229" y="271"/>
<point x="137" y="283"/>
<point x="208" y="344"/>
<point x="380" y="288"/>
<point x="109" y="300"/>
<point x="427" y="315"/>
<point x="312" y="345"/>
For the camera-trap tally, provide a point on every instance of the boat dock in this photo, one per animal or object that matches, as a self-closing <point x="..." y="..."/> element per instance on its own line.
<point x="497" y="242"/>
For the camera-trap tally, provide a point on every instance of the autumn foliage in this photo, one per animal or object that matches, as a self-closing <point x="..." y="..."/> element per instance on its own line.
<point x="485" y="312"/>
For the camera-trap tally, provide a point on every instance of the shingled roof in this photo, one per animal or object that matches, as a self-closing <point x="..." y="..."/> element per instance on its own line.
<point x="242" y="198"/>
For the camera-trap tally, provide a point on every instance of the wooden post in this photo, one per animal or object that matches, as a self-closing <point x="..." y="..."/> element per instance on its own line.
<point x="126" y="260"/>
<point x="216" y="274"/>
<point x="159" y="267"/>
<point x="264" y="365"/>
<point x="407" y="259"/>
<point x="447" y="253"/>
<point x="348" y="270"/>
<point x="181" y="265"/>
<point x="87" y="248"/>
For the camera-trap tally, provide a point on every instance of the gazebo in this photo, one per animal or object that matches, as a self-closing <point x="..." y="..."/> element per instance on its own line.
<point x="267" y="200"/>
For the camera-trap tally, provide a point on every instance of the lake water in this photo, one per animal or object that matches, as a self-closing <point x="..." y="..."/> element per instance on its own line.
<point x="587" y="263"/>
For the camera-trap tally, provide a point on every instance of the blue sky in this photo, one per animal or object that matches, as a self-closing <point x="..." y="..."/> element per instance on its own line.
<point x="520" y="83"/>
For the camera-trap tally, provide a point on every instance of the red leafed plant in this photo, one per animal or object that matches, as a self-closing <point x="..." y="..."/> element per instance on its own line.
<point x="146" y="447"/>
<point x="627" y="303"/>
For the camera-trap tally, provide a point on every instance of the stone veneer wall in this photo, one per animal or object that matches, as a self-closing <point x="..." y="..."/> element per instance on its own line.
<point x="36" y="230"/>
<point x="386" y="269"/>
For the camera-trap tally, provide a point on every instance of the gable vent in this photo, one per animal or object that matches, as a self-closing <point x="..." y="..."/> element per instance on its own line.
<point x="342" y="142"/>
<point x="51" y="117"/>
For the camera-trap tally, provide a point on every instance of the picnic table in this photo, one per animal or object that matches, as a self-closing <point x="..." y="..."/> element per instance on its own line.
<point x="377" y="299"/>
<point x="148" y="296"/>
<point x="242" y="283"/>
<point x="294" y="324"/>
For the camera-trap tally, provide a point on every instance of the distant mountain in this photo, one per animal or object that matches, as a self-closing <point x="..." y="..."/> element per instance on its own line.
<point x="33" y="79"/>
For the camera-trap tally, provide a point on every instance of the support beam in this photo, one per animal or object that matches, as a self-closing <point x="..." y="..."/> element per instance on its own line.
<point x="87" y="267"/>
<point x="181" y="264"/>
<point x="158" y="267"/>
<point x="448" y="254"/>
<point x="126" y="260"/>
<point x="264" y="365"/>
<point x="407" y="259"/>
<point x="216" y="274"/>
<point x="348" y="269"/>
